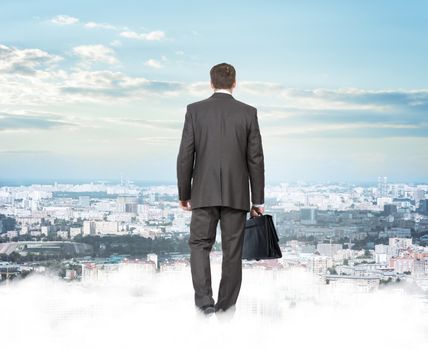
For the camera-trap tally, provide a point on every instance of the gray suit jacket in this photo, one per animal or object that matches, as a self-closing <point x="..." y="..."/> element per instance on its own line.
<point x="221" y="149"/>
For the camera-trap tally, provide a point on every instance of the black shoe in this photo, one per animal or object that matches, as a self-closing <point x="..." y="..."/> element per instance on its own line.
<point x="207" y="309"/>
<point x="221" y="309"/>
<point x="217" y="308"/>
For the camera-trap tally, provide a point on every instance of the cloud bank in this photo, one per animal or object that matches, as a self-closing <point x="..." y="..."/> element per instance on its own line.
<point x="288" y="309"/>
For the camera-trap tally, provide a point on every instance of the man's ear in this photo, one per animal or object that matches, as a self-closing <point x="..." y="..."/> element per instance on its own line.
<point x="212" y="86"/>
<point x="234" y="84"/>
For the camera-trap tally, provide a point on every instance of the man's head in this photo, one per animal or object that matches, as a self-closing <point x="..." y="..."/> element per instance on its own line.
<point x="223" y="76"/>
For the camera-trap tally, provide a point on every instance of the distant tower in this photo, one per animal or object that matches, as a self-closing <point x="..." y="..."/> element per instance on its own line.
<point x="382" y="186"/>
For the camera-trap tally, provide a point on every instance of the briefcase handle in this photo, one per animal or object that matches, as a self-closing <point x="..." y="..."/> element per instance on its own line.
<point x="252" y="221"/>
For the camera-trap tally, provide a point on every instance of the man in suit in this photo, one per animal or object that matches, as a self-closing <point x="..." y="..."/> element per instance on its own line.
<point x="221" y="150"/>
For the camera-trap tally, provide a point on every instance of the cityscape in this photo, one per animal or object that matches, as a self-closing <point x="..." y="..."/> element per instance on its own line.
<point x="366" y="236"/>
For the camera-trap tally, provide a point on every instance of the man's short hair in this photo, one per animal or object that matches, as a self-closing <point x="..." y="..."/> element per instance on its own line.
<point x="223" y="76"/>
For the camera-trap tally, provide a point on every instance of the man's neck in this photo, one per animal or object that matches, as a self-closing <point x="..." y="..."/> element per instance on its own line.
<point x="226" y="91"/>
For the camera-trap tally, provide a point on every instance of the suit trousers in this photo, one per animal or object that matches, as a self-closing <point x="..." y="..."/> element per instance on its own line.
<point x="203" y="227"/>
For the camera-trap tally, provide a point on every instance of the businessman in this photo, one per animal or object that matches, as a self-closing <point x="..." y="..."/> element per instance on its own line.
<point x="221" y="151"/>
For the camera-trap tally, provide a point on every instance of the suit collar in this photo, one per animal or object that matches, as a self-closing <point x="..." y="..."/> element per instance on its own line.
<point x="221" y="95"/>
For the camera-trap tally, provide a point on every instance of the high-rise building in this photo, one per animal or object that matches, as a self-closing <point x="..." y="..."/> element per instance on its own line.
<point x="88" y="228"/>
<point x="127" y="204"/>
<point x="389" y="209"/>
<point x="423" y="206"/>
<point x="382" y="186"/>
<point x="418" y="195"/>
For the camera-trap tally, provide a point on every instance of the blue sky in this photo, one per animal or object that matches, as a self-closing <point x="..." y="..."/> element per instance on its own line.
<point x="97" y="90"/>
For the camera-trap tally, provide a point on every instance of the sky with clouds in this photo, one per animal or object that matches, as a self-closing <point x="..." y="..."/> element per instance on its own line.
<point x="93" y="90"/>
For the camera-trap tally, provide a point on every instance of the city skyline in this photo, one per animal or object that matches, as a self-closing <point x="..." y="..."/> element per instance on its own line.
<point x="127" y="181"/>
<point x="90" y="92"/>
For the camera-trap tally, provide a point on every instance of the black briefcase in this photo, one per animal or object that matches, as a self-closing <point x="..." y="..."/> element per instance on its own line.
<point x="260" y="239"/>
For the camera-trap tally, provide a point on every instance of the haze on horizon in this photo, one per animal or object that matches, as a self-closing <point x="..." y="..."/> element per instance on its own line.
<point x="93" y="91"/>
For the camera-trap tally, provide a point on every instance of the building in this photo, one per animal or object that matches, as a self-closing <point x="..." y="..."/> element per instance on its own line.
<point x="8" y="270"/>
<point x="70" y="274"/>
<point x="319" y="264"/>
<point x="127" y="204"/>
<point x="106" y="227"/>
<point x="420" y="267"/>
<point x="88" y="228"/>
<point x="132" y="269"/>
<point x="328" y="249"/>
<point x="389" y="209"/>
<point x="418" y="195"/>
<point x="400" y="243"/>
<point x="62" y="234"/>
<point x="382" y="186"/>
<point x="91" y="227"/>
<point x="423" y="206"/>
<point x="365" y="284"/>
<point x="75" y="231"/>
<point x="383" y="252"/>
<point x="402" y="264"/>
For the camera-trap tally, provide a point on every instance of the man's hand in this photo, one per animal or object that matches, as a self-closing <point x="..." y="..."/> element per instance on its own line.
<point x="256" y="211"/>
<point x="185" y="205"/>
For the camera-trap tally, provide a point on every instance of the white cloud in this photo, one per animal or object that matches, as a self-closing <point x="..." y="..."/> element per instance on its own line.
<point x="24" y="61"/>
<point x="96" y="25"/>
<point x="336" y="99"/>
<point x="64" y="20"/>
<point x="290" y="308"/>
<point x="31" y="121"/>
<point x="199" y="89"/>
<point x="96" y="53"/>
<point x="151" y="36"/>
<point x="153" y="63"/>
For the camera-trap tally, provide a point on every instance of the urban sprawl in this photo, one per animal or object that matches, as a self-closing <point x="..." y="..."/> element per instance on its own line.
<point x="361" y="235"/>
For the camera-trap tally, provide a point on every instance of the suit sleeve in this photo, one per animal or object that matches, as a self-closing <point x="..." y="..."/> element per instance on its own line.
<point x="185" y="158"/>
<point x="255" y="162"/>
